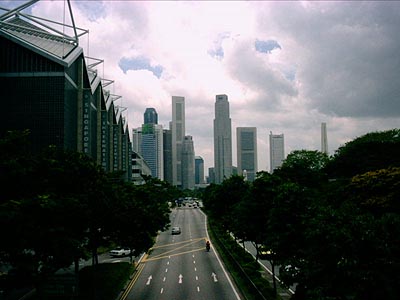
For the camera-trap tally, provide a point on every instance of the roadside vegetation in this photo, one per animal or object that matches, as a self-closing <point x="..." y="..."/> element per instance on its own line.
<point x="58" y="207"/>
<point x="332" y="224"/>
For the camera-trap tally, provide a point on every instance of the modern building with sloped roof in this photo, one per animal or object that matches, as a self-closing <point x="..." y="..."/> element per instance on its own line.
<point x="50" y="88"/>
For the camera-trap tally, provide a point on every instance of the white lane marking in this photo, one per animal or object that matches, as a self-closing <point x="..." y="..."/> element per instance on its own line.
<point x="198" y="289"/>
<point x="214" y="276"/>
<point x="166" y="270"/>
<point x="164" y="279"/>
<point x="162" y="290"/>
<point x="168" y="263"/>
<point x="219" y="260"/>
<point x="197" y="277"/>
<point x="195" y="269"/>
<point x="180" y="278"/>
<point x="194" y="262"/>
<point x="149" y="280"/>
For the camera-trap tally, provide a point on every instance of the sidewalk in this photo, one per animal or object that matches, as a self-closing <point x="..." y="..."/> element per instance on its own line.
<point x="267" y="271"/>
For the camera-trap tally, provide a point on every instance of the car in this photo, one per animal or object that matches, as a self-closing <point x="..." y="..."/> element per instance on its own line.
<point x="176" y="230"/>
<point x="120" y="252"/>
<point x="264" y="253"/>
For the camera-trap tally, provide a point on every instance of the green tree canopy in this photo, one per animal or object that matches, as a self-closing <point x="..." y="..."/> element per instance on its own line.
<point x="372" y="151"/>
<point x="304" y="167"/>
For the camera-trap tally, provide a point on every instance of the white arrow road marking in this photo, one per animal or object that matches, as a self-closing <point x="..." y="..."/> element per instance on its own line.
<point x="180" y="278"/>
<point x="149" y="279"/>
<point x="214" y="276"/>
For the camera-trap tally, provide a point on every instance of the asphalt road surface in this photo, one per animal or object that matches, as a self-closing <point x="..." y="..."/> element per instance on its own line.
<point x="179" y="267"/>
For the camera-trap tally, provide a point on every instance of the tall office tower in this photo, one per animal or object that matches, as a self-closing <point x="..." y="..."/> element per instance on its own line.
<point x="276" y="150"/>
<point x="222" y="140"/>
<point x="198" y="170"/>
<point x="211" y="175"/>
<point x="137" y="140"/>
<point x="152" y="149"/>
<point x="167" y="140"/>
<point x="324" y="139"/>
<point x="150" y="116"/>
<point x="246" y="139"/>
<point x="187" y="163"/>
<point x="178" y="134"/>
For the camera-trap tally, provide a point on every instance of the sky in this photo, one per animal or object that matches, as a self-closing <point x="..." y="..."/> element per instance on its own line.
<point x="286" y="66"/>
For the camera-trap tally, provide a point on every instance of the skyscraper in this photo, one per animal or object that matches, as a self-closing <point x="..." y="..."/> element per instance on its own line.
<point x="137" y="140"/>
<point x="187" y="163"/>
<point x="324" y="139"/>
<point x="152" y="149"/>
<point x="276" y="150"/>
<point x="150" y="116"/>
<point x="167" y="140"/>
<point x="198" y="170"/>
<point x="246" y="139"/>
<point x="178" y="134"/>
<point x="222" y="140"/>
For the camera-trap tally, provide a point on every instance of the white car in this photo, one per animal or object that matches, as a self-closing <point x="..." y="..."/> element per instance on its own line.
<point x="176" y="230"/>
<point x="120" y="252"/>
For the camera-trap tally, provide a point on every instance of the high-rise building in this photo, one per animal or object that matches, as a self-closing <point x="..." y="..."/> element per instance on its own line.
<point x="152" y="149"/>
<point x="150" y="116"/>
<point x="246" y="139"/>
<point x="276" y="150"/>
<point x="178" y="134"/>
<point x="211" y="175"/>
<point x="167" y="140"/>
<point x="324" y="139"/>
<point x="222" y="140"/>
<point x="137" y="140"/>
<point x="198" y="170"/>
<point x="188" y="163"/>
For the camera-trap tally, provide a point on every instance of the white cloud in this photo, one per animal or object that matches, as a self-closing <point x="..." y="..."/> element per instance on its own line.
<point x="338" y="63"/>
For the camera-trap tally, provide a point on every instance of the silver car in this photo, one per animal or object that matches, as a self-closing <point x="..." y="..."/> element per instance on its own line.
<point x="176" y="230"/>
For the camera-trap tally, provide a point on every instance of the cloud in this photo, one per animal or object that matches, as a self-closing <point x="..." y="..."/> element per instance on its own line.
<point x="347" y="55"/>
<point x="286" y="66"/>
<point x="258" y="75"/>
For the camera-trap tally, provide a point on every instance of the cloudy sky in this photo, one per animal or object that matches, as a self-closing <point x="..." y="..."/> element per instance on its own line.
<point x="285" y="66"/>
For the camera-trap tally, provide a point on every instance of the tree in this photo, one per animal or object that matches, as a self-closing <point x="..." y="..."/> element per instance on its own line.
<point x="377" y="191"/>
<point x="372" y="151"/>
<point x="304" y="167"/>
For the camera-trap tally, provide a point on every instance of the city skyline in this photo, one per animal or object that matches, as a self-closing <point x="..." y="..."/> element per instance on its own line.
<point x="285" y="66"/>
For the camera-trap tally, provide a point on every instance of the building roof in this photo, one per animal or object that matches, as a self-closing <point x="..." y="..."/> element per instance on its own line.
<point x="51" y="44"/>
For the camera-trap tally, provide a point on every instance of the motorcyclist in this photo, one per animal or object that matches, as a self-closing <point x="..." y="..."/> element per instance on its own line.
<point x="208" y="245"/>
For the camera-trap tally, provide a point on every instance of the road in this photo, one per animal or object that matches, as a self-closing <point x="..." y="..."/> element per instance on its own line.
<point x="178" y="266"/>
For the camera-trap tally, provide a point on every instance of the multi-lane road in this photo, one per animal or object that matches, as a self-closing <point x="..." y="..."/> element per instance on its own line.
<point x="179" y="267"/>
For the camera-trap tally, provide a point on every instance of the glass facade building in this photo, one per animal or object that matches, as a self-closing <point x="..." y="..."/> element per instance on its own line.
<point x="222" y="140"/>
<point x="246" y="139"/>
<point x="276" y="150"/>
<point x="51" y="89"/>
